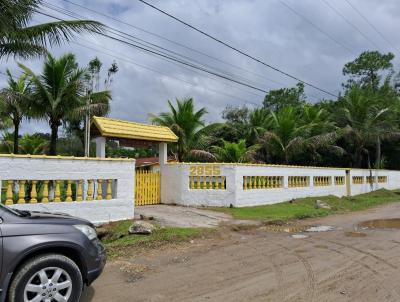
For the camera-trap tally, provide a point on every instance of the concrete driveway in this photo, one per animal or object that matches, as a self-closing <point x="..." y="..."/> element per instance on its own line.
<point x="260" y="265"/>
<point x="178" y="216"/>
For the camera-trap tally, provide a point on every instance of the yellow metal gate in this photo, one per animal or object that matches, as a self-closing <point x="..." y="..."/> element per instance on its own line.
<point x="147" y="189"/>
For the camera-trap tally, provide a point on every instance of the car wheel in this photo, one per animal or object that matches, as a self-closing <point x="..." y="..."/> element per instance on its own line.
<point x="47" y="278"/>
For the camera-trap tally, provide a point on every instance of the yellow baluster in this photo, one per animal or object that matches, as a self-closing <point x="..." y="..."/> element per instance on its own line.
<point x="21" y="193"/>
<point x="33" y="192"/>
<point x="191" y="182"/>
<point x="90" y="190"/>
<point x="79" y="190"/>
<point x="204" y="182"/>
<point x="244" y="182"/>
<point x="263" y="180"/>
<point x="45" y="198"/>
<point x="210" y="183"/>
<point x="9" y="193"/>
<point x="99" y="189"/>
<point x="109" y="189"/>
<point x="197" y="182"/>
<point x="69" y="191"/>
<point x="57" y="192"/>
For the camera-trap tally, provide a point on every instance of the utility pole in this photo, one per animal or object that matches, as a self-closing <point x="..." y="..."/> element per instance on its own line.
<point x="87" y="125"/>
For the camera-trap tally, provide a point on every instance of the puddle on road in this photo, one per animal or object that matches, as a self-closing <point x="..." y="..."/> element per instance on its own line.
<point x="284" y="228"/>
<point x="355" y="234"/>
<point x="320" y="228"/>
<point x="393" y="223"/>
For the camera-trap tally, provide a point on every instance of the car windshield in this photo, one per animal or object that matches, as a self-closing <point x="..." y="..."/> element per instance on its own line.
<point x="12" y="211"/>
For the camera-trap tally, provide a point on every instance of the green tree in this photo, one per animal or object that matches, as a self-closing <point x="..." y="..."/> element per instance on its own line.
<point x="365" y="121"/>
<point x="233" y="152"/>
<point x="14" y="103"/>
<point x="186" y="123"/>
<point x="277" y="99"/>
<point x="17" y="38"/>
<point x="258" y="122"/>
<point x="366" y="69"/>
<point x="33" y="144"/>
<point x="289" y="136"/>
<point x="59" y="94"/>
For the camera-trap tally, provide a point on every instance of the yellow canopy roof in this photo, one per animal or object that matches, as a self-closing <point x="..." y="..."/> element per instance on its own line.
<point x="130" y="130"/>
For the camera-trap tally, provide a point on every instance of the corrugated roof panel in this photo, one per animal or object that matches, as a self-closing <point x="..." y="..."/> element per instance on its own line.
<point x="125" y="129"/>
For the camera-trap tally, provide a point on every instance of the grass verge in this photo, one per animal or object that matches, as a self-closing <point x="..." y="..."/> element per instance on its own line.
<point x="305" y="207"/>
<point x="118" y="240"/>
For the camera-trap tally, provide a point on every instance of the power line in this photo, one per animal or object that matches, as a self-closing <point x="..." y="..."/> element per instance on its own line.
<point x="238" y="50"/>
<point x="350" y="23"/>
<point x="372" y="26"/>
<point x="145" y="43"/>
<point x="174" y="42"/>
<point x="130" y="61"/>
<point x="168" y="57"/>
<point x="315" y="26"/>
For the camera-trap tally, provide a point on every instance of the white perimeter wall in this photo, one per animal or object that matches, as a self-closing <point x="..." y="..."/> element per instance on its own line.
<point x="175" y="185"/>
<point x="121" y="206"/>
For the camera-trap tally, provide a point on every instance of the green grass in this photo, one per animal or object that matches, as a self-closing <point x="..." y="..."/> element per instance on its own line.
<point x="118" y="240"/>
<point x="304" y="207"/>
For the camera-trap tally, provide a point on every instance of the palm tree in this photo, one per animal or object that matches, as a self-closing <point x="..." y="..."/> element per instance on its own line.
<point x="233" y="152"/>
<point x="289" y="135"/>
<point x="19" y="39"/>
<point x="33" y="144"/>
<point x="366" y="122"/>
<point x="59" y="94"/>
<point x="185" y="122"/>
<point x="14" y="103"/>
<point x="258" y="121"/>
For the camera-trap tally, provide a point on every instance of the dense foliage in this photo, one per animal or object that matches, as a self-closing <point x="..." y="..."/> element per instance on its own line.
<point x="359" y="129"/>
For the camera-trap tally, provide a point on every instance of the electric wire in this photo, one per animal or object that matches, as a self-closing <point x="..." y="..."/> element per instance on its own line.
<point x="373" y="26"/>
<point x="337" y="12"/>
<point x="175" y="43"/>
<point x="167" y="57"/>
<point x="238" y="50"/>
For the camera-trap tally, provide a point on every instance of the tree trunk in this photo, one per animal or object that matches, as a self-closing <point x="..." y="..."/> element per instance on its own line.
<point x="16" y="136"/>
<point x="53" y="138"/>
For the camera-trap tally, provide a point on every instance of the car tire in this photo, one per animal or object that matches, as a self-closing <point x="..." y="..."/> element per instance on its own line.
<point x="30" y="279"/>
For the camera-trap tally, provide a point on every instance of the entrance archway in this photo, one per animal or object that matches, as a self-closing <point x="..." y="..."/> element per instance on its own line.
<point x="132" y="134"/>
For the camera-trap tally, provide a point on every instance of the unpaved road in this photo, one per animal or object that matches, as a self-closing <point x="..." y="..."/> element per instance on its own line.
<point x="259" y="265"/>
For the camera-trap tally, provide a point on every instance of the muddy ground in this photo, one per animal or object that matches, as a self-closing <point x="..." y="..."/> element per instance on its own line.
<point x="346" y="264"/>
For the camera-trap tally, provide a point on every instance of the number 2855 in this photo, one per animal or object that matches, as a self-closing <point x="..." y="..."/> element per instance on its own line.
<point x="205" y="170"/>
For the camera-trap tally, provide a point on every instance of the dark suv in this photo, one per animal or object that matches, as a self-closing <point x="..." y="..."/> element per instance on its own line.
<point x="46" y="257"/>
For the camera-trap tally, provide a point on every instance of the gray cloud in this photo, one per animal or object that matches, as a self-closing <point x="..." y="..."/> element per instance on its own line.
<point x="264" y="28"/>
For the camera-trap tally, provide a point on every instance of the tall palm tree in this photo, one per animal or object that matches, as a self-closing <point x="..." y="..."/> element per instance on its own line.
<point x="59" y="94"/>
<point x="365" y="121"/>
<point x="14" y="103"/>
<point x="17" y="38"/>
<point x="185" y="122"/>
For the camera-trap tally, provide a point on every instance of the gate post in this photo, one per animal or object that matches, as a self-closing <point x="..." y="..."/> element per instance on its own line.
<point x="162" y="153"/>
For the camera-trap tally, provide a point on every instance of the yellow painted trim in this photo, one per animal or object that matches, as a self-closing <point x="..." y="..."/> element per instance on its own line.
<point x="65" y="157"/>
<point x="273" y="166"/>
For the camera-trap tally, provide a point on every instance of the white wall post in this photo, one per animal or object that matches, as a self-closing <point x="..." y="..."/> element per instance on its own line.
<point x="163" y="153"/>
<point x="101" y="147"/>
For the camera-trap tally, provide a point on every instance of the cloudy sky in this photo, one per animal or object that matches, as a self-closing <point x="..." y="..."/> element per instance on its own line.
<point x="309" y="39"/>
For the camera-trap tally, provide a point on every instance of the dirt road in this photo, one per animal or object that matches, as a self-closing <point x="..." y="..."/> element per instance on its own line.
<point x="260" y="265"/>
